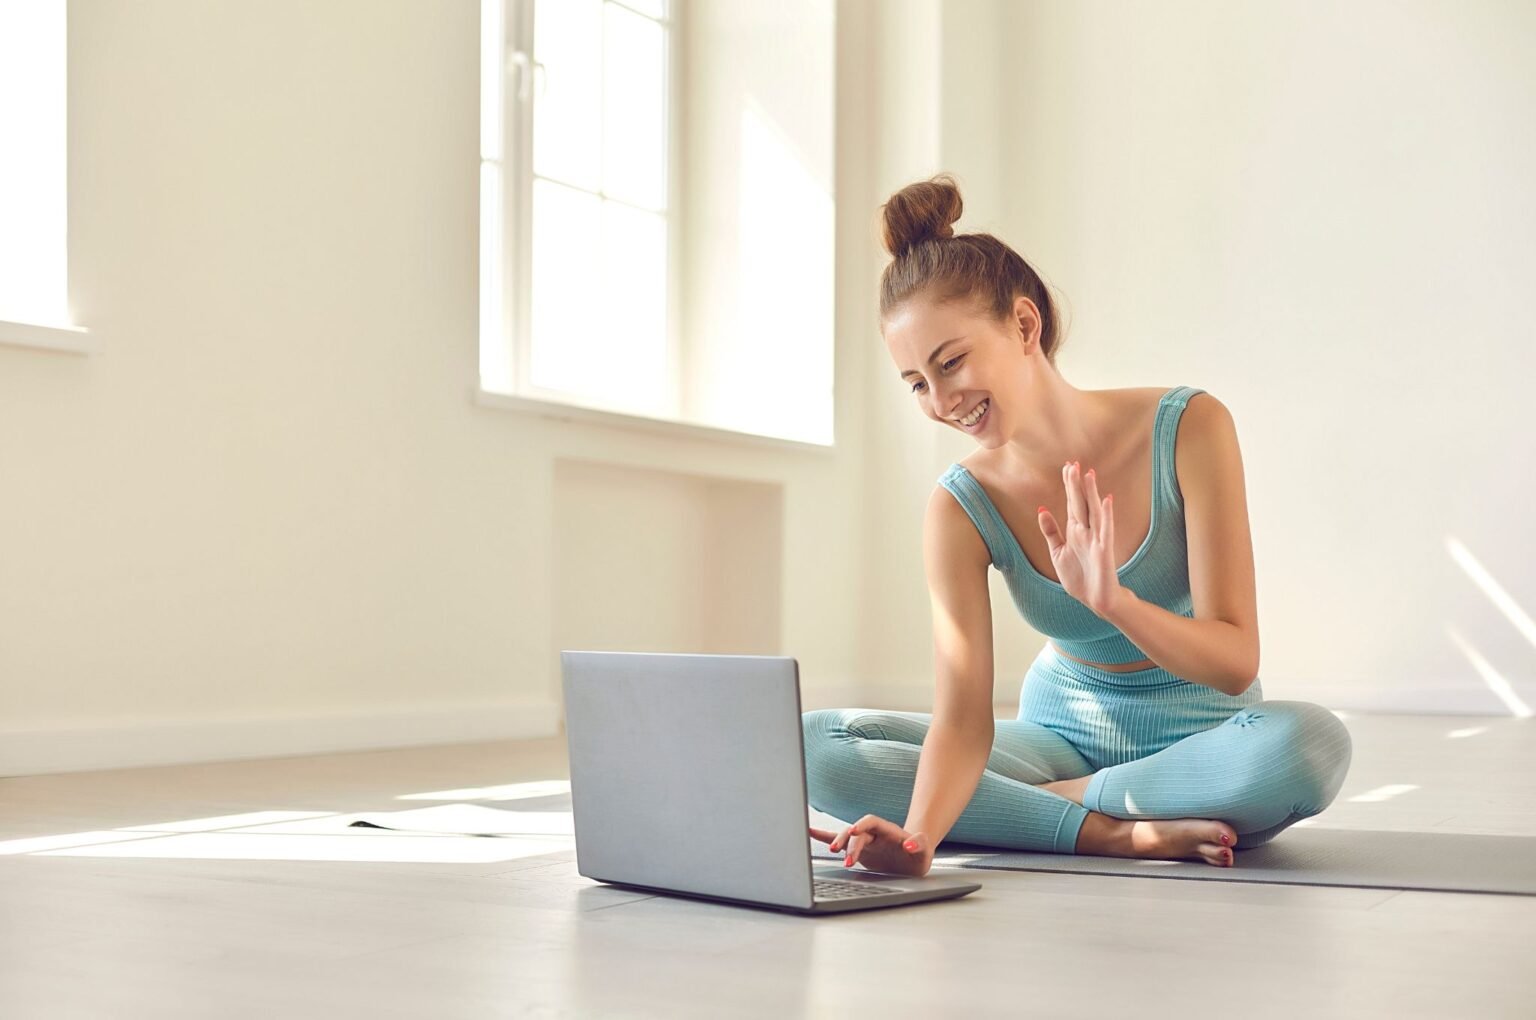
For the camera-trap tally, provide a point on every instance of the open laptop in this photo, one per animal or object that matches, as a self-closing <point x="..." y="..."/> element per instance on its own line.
<point x="688" y="778"/>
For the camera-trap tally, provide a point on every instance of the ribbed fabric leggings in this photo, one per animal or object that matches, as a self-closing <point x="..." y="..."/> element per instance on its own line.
<point x="1156" y="745"/>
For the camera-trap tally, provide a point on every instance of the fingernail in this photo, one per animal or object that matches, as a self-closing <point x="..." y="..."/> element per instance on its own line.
<point x="910" y="844"/>
<point x="1224" y="837"/>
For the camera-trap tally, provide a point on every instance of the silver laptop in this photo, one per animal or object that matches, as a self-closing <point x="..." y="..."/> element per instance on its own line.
<point x="688" y="778"/>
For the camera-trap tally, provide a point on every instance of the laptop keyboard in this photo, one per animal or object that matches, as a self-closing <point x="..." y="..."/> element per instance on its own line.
<point x="837" y="889"/>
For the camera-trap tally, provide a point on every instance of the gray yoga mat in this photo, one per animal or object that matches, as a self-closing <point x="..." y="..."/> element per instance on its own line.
<point x="1368" y="858"/>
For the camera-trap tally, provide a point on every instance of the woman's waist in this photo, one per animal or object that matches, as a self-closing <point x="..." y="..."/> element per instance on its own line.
<point x="1118" y="667"/>
<point x="1060" y="669"/>
<point x="1055" y="661"/>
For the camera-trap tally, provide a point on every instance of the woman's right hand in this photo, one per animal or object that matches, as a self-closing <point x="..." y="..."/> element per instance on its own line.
<point x="882" y="845"/>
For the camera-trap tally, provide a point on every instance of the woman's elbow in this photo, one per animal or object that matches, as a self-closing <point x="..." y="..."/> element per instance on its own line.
<point x="1243" y="681"/>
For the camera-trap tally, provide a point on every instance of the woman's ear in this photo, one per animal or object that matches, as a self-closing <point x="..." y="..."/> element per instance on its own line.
<point x="1024" y="313"/>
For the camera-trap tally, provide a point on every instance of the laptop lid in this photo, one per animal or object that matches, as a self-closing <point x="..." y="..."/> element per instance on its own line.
<point x="688" y="772"/>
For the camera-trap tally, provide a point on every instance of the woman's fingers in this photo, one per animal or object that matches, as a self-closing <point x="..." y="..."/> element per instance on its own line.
<point x="1091" y="505"/>
<point x="860" y="834"/>
<point x="852" y="839"/>
<point x="865" y="831"/>
<point x="1074" y="497"/>
<point x="822" y="834"/>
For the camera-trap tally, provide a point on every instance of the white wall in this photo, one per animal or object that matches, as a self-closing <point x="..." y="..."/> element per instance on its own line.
<point x="269" y="518"/>
<point x="1321" y="213"/>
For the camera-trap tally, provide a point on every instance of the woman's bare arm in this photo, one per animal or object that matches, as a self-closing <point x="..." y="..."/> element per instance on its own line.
<point x="959" y="740"/>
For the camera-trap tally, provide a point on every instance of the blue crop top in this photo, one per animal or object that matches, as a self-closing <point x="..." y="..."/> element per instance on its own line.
<point x="1157" y="572"/>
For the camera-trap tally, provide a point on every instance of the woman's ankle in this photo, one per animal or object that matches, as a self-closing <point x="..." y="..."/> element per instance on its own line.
<point x="1105" y="836"/>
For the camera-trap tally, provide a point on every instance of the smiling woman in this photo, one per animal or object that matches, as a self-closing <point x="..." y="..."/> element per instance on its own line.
<point x="1142" y="728"/>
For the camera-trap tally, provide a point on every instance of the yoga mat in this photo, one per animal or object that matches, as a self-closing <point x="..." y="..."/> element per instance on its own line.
<point x="1368" y="858"/>
<point x="1365" y="858"/>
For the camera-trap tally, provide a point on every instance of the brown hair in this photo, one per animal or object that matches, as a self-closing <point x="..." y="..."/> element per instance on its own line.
<point x="932" y="262"/>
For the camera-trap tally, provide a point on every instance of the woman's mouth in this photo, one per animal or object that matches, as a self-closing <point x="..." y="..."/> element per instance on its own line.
<point x="985" y="407"/>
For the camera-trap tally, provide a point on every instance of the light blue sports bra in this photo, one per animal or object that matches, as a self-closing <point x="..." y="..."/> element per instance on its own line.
<point x="1157" y="572"/>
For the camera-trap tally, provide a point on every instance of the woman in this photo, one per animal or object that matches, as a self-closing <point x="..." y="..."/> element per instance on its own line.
<point x="1142" y="728"/>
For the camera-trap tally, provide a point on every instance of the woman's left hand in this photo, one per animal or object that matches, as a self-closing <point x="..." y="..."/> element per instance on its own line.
<point x="1084" y="557"/>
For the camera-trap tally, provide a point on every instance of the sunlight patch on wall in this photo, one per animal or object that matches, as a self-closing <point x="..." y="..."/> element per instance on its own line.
<point x="1491" y="677"/>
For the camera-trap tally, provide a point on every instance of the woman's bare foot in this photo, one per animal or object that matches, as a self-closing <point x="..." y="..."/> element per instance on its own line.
<point x="1168" y="839"/>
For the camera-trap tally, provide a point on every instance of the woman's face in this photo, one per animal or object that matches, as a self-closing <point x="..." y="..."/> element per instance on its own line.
<point x="955" y="362"/>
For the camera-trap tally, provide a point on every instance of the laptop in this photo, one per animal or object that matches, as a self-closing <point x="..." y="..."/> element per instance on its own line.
<point x="688" y="778"/>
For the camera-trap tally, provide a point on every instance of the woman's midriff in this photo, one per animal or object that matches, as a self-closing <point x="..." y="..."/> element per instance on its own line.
<point x="1122" y="667"/>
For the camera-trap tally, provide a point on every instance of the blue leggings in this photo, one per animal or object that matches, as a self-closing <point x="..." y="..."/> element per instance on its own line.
<point x="1156" y="745"/>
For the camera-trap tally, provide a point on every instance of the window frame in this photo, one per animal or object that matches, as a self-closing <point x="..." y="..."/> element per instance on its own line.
<point x="516" y="228"/>
<point x="65" y="336"/>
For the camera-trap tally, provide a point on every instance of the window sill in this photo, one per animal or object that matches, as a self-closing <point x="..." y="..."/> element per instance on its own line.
<point x="73" y="339"/>
<point x="638" y="422"/>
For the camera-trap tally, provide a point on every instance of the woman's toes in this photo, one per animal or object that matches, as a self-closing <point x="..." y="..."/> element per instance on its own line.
<point x="1212" y="853"/>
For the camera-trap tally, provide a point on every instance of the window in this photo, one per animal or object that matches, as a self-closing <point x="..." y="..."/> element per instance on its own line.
<point x="34" y="254"/>
<point x="656" y="210"/>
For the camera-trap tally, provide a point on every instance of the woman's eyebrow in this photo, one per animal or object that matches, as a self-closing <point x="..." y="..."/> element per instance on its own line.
<point x="934" y="356"/>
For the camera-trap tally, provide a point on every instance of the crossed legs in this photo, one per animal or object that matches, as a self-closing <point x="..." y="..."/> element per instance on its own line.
<point x="1247" y="779"/>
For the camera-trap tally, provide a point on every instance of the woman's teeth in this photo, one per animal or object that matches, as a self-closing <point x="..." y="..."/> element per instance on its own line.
<point x="976" y="415"/>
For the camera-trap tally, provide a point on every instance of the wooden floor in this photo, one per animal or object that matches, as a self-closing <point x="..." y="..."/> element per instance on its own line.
<point x="214" y="891"/>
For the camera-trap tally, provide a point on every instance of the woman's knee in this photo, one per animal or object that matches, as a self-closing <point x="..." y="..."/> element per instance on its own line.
<point x="844" y="724"/>
<point x="1320" y="748"/>
<point x="818" y="724"/>
<point x="843" y="775"/>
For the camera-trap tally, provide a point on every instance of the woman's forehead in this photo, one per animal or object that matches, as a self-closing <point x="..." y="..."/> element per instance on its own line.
<point x="928" y="323"/>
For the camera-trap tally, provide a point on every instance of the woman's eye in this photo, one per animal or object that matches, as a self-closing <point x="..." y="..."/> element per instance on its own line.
<point x="951" y="361"/>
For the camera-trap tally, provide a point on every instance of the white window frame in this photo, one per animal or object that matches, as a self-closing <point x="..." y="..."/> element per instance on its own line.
<point x="520" y="79"/>
<point x="66" y="336"/>
<point x="510" y="283"/>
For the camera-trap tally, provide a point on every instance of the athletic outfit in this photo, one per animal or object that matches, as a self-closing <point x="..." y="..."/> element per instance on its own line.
<point x="1157" y="746"/>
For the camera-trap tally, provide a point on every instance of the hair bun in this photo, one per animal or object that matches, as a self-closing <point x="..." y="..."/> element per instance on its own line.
<point x="921" y="212"/>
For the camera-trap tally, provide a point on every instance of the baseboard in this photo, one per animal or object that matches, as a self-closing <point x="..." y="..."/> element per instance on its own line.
<point x="150" y="742"/>
<point x="1463" y="699"/>
<point x="1405" y="700"/>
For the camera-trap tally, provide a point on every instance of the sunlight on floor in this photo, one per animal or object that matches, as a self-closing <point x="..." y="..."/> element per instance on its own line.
<point x="369" y="847"/>
<point x="1382" y="793"/>
<point x="511" y="791"/>
<point x="446" y="833"/>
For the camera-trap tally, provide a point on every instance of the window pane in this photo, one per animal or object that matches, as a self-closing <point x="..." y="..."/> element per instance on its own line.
<point x="34" y="261"/>
<point x="567" y="117"/>
<point x="599" y="299"/>
<point x="634" y="338"/>
<point x="566" y="235"/>
<point x="634" y="108"/>
<point x="655" y="8"/>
